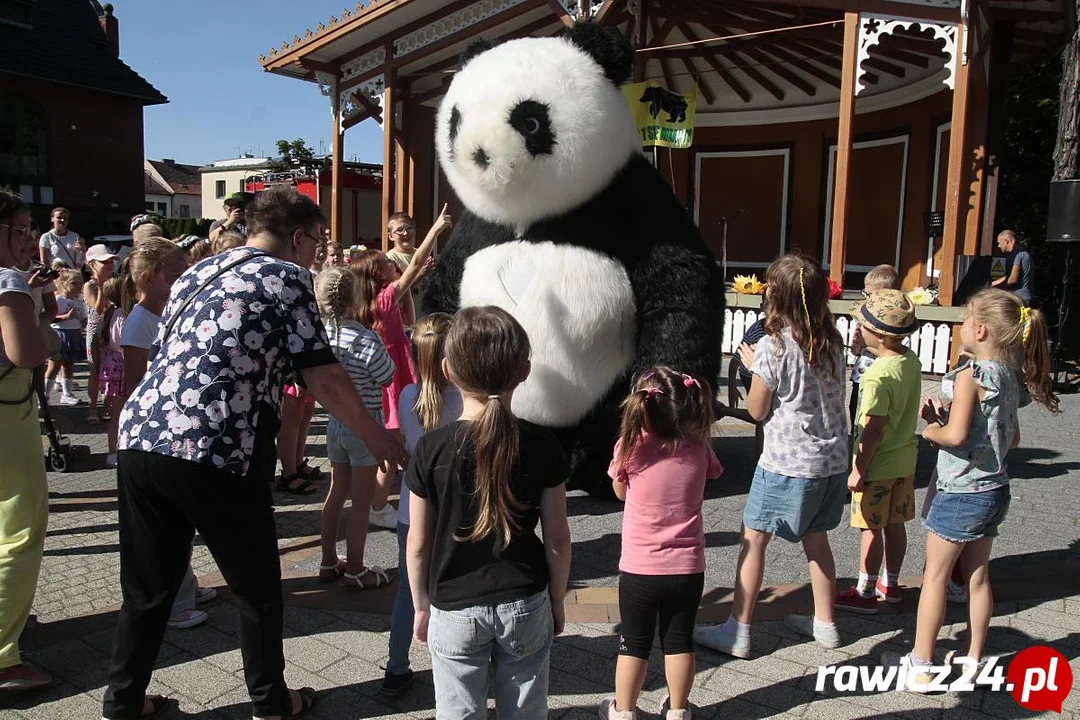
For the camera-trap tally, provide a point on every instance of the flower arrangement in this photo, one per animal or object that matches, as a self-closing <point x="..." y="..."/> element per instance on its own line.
<point x="748" y="285"/>
<point x="835" y="289"/>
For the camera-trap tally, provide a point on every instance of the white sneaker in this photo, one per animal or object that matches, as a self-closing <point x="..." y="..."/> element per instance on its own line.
<point x="917" y="681"/>
<point x="968" y="672"/>
<point x="607" y="711"/>
<point x="385" y="518"/>
<point x="69" y="400"/>
<point x="804" y="625"/>
<point x="686" y="713"/>
<point x="955" y="593"/>
<point x="716" y="638"/>
<point x="204" y="595"/>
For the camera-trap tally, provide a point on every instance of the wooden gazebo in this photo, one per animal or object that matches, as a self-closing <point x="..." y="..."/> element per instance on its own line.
<point x="837" y="126"/>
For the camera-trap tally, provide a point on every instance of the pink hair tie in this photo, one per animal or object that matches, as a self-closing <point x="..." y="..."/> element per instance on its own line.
<point x="689" y="380"/>
<point x="650" y="391"/>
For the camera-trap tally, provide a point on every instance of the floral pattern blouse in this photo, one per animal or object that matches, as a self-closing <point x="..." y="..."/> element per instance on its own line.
<point x="226" y="360"/>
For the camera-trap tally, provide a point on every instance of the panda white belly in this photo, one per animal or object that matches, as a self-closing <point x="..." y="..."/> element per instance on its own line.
<point x="578" y="309"/>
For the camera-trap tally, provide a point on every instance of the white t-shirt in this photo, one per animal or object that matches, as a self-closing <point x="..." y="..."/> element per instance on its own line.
<point x="63" y="249"/>
<point x="140" y="328"/>
<point x="412" y="430"/>
<point x="11" y="281"/>
<point x="64" y="304"/>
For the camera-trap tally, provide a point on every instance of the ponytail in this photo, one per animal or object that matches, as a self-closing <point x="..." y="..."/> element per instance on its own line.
<point x="673" y="406"/>
<point x="1036" y="365"/>
<point x="429" y="347"/>
<point x="497" y="439"/>
<point x="129" y="293"/>
<point x="633" y="425"/>
<point x="487" y="351"/>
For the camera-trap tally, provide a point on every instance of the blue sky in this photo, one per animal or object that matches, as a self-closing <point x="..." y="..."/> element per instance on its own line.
<point x="199" y="53"/>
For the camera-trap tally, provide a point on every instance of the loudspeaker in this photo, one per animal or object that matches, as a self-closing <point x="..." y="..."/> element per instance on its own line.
<point x="1063" y="218"/>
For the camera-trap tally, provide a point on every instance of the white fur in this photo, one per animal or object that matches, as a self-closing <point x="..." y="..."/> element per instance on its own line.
<point x="578" y="309"/>
<point x="594" y="133"/>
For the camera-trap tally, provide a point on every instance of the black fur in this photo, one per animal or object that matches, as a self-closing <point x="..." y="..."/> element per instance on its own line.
<point x="532" y="121"/>
<point x="607" y="45"/>
<point x="475" y="48"/>
<point x="677" y="287"/>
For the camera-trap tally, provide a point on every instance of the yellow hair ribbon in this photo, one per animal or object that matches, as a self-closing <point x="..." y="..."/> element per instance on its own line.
<point x="1025" y="320"/>
<point x="806" y="311"/>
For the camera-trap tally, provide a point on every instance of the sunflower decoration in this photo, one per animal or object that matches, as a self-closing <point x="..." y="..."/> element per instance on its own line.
<point x="748" y="285"/>
<point x="920" y="296"/>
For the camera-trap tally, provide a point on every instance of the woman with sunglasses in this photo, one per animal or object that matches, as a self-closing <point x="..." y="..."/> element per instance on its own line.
<point x="24" y="507"/>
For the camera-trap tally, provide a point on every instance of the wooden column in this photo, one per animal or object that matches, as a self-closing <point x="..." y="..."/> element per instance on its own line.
<point x="955" y="197"/>
<point x="337" y="158"/>
<point x="974" y="181"/>
<point x="388" y="156"/>
<point x="401" y="163"/>
<point x="841" y="189"/>
<point x="1000" y="71"/>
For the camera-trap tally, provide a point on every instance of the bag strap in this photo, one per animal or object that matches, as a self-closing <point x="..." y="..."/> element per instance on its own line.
<point x="187" y="301"/>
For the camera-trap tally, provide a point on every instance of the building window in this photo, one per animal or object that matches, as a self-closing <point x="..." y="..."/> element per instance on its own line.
<point x="150" y="208"/>
<point x="219" y="189"/>
<point x="24" y="141"/>
<point x="163" y="209"/>
<point x="17" y="12"/>
<point x="185" y="211"/>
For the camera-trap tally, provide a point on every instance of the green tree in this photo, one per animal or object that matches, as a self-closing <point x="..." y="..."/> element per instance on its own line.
<point x="292" y="155"/>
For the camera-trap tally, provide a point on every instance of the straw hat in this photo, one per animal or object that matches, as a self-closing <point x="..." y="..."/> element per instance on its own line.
<point x="888" y="312"/>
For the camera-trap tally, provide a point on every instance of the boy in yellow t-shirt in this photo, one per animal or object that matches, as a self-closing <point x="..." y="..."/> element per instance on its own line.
<point x="882" y="479"/>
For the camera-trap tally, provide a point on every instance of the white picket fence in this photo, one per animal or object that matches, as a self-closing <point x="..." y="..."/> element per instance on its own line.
<point x="933" y="342"/>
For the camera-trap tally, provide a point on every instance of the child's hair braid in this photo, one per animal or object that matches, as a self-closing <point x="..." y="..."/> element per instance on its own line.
<point x="336" y="292"/>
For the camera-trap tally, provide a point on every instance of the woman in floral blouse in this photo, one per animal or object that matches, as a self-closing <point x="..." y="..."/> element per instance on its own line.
<point x="196" y="446"/>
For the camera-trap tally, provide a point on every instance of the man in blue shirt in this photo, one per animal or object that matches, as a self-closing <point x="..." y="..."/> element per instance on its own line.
<point x="1019" y="275"/>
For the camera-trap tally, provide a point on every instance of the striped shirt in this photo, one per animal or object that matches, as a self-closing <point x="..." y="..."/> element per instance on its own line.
<point x="363" y="355"/>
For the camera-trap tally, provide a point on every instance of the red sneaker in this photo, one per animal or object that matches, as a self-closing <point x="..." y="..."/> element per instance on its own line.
<point x="853" y="601"/>
<point x="20" y="677"/>
<point x="889" y="595"/>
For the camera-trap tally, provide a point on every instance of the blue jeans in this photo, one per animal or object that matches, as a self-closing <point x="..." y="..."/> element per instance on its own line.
<point x="515" y="638"/>
<point x="790" y="507"/>
<point x="964" y="517"/>
<point x="401" y="621"/>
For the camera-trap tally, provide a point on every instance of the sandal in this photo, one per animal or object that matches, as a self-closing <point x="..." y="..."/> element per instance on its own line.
<point x="305" y="487"/>
<point x="353" y="582"/>
<point x="307" y="701"/>
<point x="307" y="472"/>
<point x="330" y="573"/>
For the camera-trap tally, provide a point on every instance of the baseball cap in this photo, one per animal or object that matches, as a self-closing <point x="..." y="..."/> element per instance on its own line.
<point x="100" y="253"/>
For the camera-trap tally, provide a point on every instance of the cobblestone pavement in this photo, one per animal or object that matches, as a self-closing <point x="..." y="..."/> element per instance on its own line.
<point x="337" y="641"/>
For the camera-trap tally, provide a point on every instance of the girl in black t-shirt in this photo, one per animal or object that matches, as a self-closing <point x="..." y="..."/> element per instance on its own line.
<point x="487" y="590"/>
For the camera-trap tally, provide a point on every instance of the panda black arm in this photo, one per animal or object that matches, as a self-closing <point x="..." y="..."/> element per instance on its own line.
<point x="680" y="312"/>
<point x="443" y="290"/>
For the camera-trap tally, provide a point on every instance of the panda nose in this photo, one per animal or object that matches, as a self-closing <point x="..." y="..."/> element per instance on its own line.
<point x="480" y="158"/>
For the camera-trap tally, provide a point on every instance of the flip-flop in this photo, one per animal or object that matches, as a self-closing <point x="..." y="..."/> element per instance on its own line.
<point x="307" y="701"/>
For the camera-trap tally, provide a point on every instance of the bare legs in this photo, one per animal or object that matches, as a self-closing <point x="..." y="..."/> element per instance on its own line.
<point x="749" y="574"/>
<point x="384" y="481"/>
<point x="822" y="573"/>
<point x="940" y="557"/>
<point x="357" y="484"/>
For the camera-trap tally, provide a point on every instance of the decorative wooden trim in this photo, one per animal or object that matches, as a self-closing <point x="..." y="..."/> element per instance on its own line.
<point x="560" y="11"/>
<point x="837" y="240"/>
<point x="873" y="27"/>
<point x="905" y="140"/>
<point x="764" y="152"/>
<point x="601" y="16"/>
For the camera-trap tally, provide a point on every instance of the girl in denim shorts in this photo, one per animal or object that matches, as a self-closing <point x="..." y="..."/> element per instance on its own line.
<point x="973" y="435"/>
<point x="488" y="591"/>
<point x="800" y="483"/>
<point x="352" y="466"/>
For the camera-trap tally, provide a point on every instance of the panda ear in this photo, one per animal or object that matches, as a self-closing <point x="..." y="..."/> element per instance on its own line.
<point x="607" y="46"/>
<point x="475" y="48"/>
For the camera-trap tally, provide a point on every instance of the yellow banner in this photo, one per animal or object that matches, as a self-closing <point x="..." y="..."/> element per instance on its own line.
<point x="664" y="118"/>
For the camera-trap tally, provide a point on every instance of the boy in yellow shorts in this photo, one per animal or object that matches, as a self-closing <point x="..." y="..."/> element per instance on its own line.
<point x="882" y="479"/>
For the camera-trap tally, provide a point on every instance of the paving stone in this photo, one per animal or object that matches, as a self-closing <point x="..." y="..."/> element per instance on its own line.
<point x="198" y="680"/>
<point x="75" y="662"/>
<point x="310" y="653"/>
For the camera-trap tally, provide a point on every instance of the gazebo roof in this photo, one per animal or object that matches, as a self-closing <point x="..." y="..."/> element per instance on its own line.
<point x="749" y="59"/>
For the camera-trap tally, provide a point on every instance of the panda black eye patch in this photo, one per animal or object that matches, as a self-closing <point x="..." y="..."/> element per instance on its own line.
<point x="531" y="120"/>
<point x="455" y="122"/>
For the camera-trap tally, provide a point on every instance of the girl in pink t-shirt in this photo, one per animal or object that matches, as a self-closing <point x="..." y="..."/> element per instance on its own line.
<point x="662" y="460"/>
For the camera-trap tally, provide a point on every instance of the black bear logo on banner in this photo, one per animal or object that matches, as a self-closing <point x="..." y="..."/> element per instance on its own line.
<point x="661" y="100"/>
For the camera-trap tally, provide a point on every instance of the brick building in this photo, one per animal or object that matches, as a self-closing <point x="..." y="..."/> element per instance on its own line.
<point x="71" y="113"/>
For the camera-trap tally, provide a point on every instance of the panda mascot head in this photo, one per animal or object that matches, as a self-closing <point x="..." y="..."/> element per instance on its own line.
<point x="573" y="232"/>
<point x="535" y="126"/>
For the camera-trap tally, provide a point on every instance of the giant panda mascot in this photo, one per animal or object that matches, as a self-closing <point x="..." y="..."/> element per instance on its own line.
<point x="570" y="229"/>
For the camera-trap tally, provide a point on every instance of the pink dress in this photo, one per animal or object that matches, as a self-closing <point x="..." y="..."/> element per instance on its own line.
<point x="397" y="344"/>
<point x="111" y="360"/>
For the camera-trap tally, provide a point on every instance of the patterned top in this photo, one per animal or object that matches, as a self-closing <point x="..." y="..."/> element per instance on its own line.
<point x="979" y="464"/>
<point x="806" y="434"/>
<point x="223" y="366"/>
<point x="361" y="352"/>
